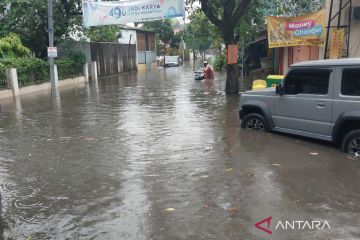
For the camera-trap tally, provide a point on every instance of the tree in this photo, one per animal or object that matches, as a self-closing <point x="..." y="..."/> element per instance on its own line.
<point x="175" y="41"/>
<point x="28" y="19"/>
<point x="162" y="27"/>
<point x="296" y="7"/>
<point x="245" y="17"/>
<point x="200" y="31"/>
<point x="11" y="46"/>
<point x="225" y="15"/>
<point x="103" y="33"/>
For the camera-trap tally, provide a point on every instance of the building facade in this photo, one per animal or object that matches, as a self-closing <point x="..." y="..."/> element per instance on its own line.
<point x="145" y="46"/>
<point x="345" y="14"/>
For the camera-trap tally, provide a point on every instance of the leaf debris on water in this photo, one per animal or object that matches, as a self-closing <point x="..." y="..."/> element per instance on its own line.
<point x="354" y="158"/>
<point x="207" y="149"/>
<point x="313" y="153"/>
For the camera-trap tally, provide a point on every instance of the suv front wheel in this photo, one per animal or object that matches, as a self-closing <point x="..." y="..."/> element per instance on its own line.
<point x="351" y="143"/>
<point x="255" y="121"/>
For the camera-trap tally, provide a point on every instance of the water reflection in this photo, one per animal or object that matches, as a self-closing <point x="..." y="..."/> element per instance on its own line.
<point x="106" y="160"/>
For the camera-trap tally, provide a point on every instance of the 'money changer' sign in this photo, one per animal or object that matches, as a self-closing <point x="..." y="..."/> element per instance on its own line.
<point x="97" y="13"/>
<point x="295" y="31"/>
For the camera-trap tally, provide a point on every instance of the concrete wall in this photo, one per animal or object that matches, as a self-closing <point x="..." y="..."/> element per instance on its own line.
<point x="6" y="93"/>
<point x="354" y="49"/>
<point x="73" y="82"/>
<point x="146" y="57"/>
<point x="146" y="50"/>
<point x="113" y="58"/>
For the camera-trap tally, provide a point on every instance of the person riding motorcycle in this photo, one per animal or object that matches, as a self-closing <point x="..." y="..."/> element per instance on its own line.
<point x="208" y="71"/>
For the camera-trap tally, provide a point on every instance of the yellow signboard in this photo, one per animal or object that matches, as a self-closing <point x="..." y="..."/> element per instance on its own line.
<point x="306" y="30"/>
<point x="337" y="43"/>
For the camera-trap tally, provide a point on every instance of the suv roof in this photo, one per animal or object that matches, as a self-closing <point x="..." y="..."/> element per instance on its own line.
<point x="331" y="62"/>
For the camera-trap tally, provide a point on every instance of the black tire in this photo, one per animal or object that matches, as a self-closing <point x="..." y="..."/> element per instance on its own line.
<point x="255" y="121"/>
<point x="351" y="143"/>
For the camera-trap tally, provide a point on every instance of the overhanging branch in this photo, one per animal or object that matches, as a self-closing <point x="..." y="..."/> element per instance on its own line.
<point x="208" y="11"/>
<point x="229" y="7"/>
<point x="239" y="11"/>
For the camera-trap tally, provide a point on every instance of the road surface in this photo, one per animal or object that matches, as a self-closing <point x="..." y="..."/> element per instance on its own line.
<point x="157" y="155"/>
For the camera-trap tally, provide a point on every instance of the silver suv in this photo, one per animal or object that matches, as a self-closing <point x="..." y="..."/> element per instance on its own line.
<point x="317" y="99"/>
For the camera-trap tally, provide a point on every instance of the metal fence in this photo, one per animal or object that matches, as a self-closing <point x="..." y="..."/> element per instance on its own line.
<point x="146" y="57"/>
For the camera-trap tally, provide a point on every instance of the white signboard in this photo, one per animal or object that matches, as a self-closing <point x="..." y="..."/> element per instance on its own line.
<point x="97" y="13"/>
<point x="52" y="52"/>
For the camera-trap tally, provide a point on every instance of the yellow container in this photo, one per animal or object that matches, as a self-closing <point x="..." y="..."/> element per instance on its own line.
<point x="273" y="80"/>
<point x="259" y="84"/>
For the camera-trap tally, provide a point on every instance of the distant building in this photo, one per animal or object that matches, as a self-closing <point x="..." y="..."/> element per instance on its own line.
<point x="346" y="14"/>
<point x="259" y="54"/>
<point x="145" y="45"/>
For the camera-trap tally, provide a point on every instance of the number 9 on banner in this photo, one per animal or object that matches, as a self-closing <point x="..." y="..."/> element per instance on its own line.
<point x="116" y="12"/>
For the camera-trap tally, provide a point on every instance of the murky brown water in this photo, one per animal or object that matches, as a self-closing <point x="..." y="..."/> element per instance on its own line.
<point x="160" y="156"/>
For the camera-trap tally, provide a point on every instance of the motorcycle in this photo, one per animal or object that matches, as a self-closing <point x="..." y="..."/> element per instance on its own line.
<point x="199" y="74"/>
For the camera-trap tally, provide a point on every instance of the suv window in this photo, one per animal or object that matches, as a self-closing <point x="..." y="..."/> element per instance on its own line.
<point x="350" y="84"/>
<point x="307" y="81"/>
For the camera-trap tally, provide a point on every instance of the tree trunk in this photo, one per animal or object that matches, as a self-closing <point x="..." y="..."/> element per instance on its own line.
<point x="232" y="77"/>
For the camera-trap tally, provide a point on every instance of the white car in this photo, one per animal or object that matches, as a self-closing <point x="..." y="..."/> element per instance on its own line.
<point x="173" y="61"/>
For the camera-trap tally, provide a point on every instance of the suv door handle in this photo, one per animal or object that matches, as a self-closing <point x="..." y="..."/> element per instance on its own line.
<point x="321" y="104"/>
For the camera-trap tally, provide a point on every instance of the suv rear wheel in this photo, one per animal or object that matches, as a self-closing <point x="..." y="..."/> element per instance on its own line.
<point x="255" y="121"/>
<point x="351" y="143"/>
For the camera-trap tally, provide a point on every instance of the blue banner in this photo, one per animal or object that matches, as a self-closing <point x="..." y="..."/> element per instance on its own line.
<point x="97" y="13"/>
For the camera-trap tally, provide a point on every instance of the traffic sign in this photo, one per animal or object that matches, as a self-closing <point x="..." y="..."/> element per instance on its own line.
<point x="52" y="52"/>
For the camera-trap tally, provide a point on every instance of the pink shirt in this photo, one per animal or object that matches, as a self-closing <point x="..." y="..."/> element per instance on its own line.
<point x="209" y="73"/>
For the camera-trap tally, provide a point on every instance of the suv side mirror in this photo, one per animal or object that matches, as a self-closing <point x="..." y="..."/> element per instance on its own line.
<point x="279" y="89"/>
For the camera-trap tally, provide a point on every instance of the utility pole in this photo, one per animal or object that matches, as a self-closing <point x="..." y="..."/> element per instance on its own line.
<point x="183" y="41"/>
<point x="162" y="31"/>
<point x="129" y="53"/>
<point x="51" y="44"/>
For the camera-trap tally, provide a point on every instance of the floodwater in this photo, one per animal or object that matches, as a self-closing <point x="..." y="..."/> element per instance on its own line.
<point x="156" y="155"/>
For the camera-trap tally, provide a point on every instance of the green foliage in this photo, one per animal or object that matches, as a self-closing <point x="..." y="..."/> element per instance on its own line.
<point x="29" y="70"/>
<point x="29" y="20"/>
<point x="175" y="42"/>
<point x="200" y="33"/>
<point x="162" y="27"/>
<point x="78" y="58"/>
<point x="11" y="46"/>
<point x="71" y="66"/>
<point x="103" y="33"/>
<point x="295" y="7"/>
<point x="252" y="22"/>
<point x="2" y="76"/>
<point x="219" y="63"/>
<point x="34" y="70"/>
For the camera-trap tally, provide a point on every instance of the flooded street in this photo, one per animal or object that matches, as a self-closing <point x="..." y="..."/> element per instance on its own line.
<point x="156" y="155"/>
